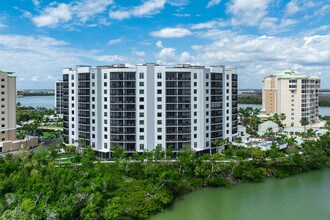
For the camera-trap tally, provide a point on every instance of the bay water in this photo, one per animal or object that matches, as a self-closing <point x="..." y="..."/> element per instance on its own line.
<point x="301" y="197"/>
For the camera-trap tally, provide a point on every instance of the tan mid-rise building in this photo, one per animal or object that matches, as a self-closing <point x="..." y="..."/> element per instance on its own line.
<point x="294" y="94"/>
<point x="7" y="106"/>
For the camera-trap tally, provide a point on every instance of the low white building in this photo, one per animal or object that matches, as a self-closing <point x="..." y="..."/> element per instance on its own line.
<point x="268" y="125"/>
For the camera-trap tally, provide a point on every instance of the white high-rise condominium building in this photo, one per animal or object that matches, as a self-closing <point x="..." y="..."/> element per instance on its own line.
<point x="7" y="106"/>
<point x="59" y="97"/>
<point x="294" y="94"/>
<point x="149" y="105"/>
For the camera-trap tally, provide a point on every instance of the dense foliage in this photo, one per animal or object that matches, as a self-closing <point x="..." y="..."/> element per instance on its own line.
<point x="249" y="100"/>
<point x="38" y="186"/>
<point x="257" y="99"/>
<point x="324" y="103"/>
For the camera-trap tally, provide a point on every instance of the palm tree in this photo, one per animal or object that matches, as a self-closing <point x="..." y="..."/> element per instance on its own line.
<point x="304" y="122"/>
<point x="219" y="142"/>
<point x="291" y="141"/>
<point x="81" y="142"/>
<point x="327" y="125"/>
<point x="282" y="116"/>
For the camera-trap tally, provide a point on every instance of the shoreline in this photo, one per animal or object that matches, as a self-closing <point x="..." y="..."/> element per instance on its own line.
<point x="183" y="201"/>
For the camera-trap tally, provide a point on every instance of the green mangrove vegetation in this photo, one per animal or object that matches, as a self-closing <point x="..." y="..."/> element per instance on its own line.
<point x="75" y="185"/>
<point x="257" y="99"/>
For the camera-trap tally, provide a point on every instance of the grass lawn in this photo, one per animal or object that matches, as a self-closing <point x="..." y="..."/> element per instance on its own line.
<point x="47" y="135"/>
<point x="51" y="127"/>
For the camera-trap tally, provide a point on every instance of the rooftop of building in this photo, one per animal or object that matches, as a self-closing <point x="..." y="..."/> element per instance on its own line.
<point x="290" y="74"/>
<point x="132" y="67"/>
<point x="268" y="124"/>
<point x="294" y="129"/>
<point x="5" y="71"/>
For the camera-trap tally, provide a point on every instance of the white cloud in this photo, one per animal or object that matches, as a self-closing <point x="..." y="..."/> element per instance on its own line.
<point x="257" y="56"/>
<point x="86" y="9"/>
<point x="178" y="3"/>
<point x="212" y="3"/>
<point x="51" y="78"/>
<point x="77" y="12"/>
<point x="52" y="16"/>
<point x="182" y="15"/>
<point x="110" y="58"/>
<point x="255" y="13"/>
<point x="159" y="44"/>
<point x="301" y="6"/>
<point x="36" y="2"/>
<point x="248" y="12"/>
<point x="148" y="7"/>
<point x="168" y="56"/>
<point x="209" y="25"/>
<point x="48" y="56"/>
<point x="138" y="53"/>
<point x="325" y="9"/>
<point x="115" y="41"/>
<point x="272" y="25"/>
<point x="292" y="8"/>
<point x="2" y="25"/>
<point x="171" y="33"/>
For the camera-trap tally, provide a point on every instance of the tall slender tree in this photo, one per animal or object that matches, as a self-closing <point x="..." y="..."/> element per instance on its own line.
<point x="304" y="122"/>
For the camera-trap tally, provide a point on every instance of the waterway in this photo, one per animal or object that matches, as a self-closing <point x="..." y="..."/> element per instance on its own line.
<point x="302" y="197"/>
<point x="37" y="101"/>
<point x="49" y="102"/>
<point x="324" y="110"/>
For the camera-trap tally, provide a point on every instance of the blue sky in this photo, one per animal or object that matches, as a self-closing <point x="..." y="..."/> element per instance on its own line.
<point x="38" y="38"/>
